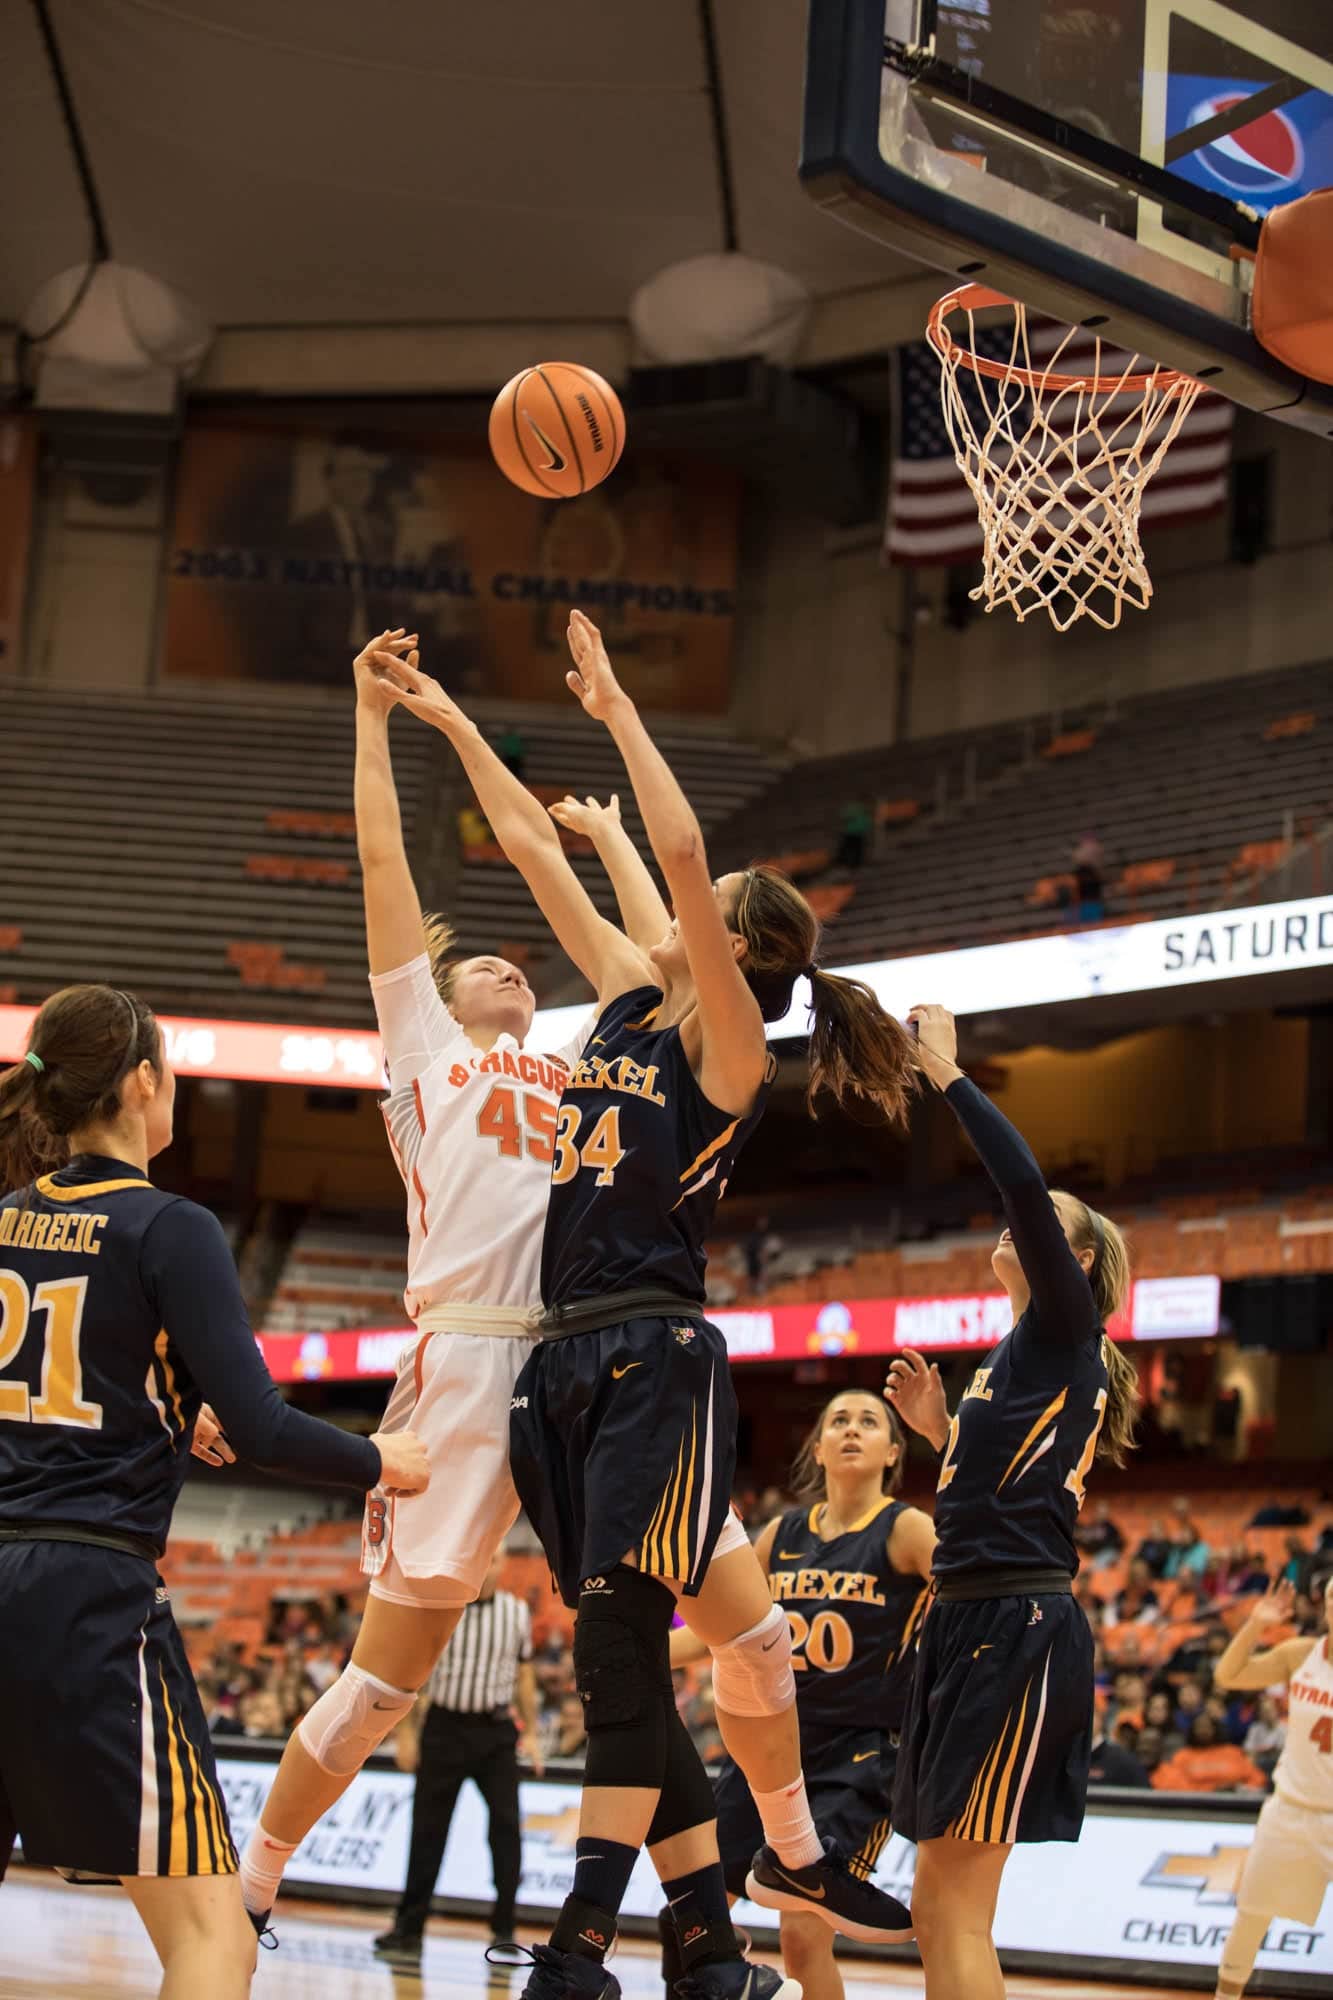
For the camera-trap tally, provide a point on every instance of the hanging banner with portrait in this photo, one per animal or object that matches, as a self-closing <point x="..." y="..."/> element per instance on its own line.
<point x="18" y="472"/>
<point x="292" y="545"/>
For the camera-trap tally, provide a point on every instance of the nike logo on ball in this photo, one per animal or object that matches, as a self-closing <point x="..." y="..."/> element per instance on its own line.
<point x="555" y="460"/>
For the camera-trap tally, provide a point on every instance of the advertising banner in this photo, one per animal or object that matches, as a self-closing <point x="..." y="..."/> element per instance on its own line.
<point x="292" y="546"/>
<point x="1156" y="1887"/>
<point x="1160" y="1309"/>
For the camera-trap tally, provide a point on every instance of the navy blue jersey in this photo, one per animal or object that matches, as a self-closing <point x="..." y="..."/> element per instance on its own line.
<point x="641" y="1162"/>
<point x="854" y="1618"/>
<point x="121" y="1314"/>
<point x="1022" y="1440"/>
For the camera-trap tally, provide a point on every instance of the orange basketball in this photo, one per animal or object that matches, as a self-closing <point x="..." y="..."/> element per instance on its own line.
<point x="557" y="430"/>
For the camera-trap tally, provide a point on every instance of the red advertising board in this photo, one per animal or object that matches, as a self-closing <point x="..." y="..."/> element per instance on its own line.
<point x="1161" y="1308"/>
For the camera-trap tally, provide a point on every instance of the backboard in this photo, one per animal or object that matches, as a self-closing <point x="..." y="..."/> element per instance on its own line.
<point x="1106" y="161"/>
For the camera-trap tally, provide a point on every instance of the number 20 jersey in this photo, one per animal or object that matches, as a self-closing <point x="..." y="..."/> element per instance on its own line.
<point x="641" y="1161"/>
<point x="854" y="1618"/>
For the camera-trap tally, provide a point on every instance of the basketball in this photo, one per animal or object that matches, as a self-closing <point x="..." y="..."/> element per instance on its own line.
<point x="557" y="430"/>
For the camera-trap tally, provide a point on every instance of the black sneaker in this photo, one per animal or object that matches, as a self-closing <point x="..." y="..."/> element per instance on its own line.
<point x="714" y="1967"/>
<point x="566" y="1975"/>
<point x="401" y="1949"/>
<point x="828" y="1889"/>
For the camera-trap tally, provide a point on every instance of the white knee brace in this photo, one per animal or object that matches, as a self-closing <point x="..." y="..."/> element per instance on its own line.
<point x="753" y="1674"/>
<point x="351" y="1719"/>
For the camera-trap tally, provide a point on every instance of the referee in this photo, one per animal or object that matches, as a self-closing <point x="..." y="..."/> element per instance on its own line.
<point x="462" y="1727"/>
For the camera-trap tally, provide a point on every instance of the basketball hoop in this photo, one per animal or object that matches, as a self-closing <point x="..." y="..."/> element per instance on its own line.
<point x="1057" y="463"/>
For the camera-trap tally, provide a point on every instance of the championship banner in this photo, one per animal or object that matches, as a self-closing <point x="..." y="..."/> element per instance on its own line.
<point x="18" y="472"/>
<point x="1154" y="1886"/>
<point x="292" y="546"/>
<point x="1159" y="1309"/>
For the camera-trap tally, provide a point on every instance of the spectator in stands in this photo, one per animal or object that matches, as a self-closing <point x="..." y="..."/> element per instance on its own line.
<point x="1154" y="1549"/>
<point x="759" y="1247"/>
<point x="857" y="824"/>
<point x="1159" y="1715"/>
<point x="323" y="1667"/>
<point x="1206" y="1764"/>
<point x="1299" y="1567"/>
<point x="1266" y="1734"/>
<point x="1136" y="1603"/>
<point x="571" y="1738"/>
<point x="1149" y="1749"/>
<point x="1189" y="1704"/>
<point x="1114" y="1762"/>
<point x="1089" y="896"/>
<point x="473" y="831"/>
<point x="225" y="1719"/>
<point x="1239" y="1574"/>
<point x="1188" y="1558"/>
<point x="261" y="1713"/>
<point x="1099" y="1539"/>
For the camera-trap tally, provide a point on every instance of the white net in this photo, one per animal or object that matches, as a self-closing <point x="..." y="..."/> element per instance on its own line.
<point x="1057" y="462"/>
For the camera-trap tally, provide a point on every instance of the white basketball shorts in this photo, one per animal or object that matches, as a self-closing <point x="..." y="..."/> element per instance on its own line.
<point x="1290" y="1864"/>
<point x="433" y="1548"/>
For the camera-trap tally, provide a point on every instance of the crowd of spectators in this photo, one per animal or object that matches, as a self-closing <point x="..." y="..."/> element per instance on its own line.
<point x="1160" y="1721"/>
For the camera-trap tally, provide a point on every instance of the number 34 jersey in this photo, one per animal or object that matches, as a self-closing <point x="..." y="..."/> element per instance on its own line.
<point x="473" y="1133"/>
<point x="854" y="1618"/>
<point x="641" y="1161"/>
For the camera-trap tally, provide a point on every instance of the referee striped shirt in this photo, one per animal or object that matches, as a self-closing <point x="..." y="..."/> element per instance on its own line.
<point x="477" y="1670"/>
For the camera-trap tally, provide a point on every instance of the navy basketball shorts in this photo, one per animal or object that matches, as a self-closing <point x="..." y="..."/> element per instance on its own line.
<point x="106" y="1764"/>
<point x="848" y="1780"/>
<point x="999" y="1722"/>
<point x="623" y="1443"/>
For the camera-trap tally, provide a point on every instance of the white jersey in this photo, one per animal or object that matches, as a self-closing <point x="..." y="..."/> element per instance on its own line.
<point x="1304" y="1774"/>
<point x="473" y="1132"/>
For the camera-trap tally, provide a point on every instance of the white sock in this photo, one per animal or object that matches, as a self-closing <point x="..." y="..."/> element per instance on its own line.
<point x="788" y="1827"/>
<point x="262" y="1861"/>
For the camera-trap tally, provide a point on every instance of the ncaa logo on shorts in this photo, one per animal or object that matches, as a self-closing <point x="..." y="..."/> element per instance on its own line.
<point x="684" y="1335"/>
<point x="518" y="1403"/>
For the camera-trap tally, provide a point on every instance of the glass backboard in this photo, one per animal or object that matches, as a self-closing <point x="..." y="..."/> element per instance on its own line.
<point x="1106" y="161"/>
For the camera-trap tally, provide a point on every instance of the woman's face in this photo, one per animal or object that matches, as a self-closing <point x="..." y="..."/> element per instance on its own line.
<point x="670" y="957"/>
<point x="1004" y="1258"/>
<point x="489" y="996"/>
<point x="1157" y="1710"/>
<point x="855" y="1436"/>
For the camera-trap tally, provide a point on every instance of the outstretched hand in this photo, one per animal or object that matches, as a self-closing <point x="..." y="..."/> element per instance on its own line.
<point x="587" y="817"/>
<point x="1276" y="1604"/>
<point x="405" y="684"/>
<point x="591" y="678"/>
<point x="915" y="1391"/>
<point x="372" y="690"/>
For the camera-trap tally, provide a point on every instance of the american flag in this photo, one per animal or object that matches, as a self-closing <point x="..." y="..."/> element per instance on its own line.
<point x="932" y="516"/>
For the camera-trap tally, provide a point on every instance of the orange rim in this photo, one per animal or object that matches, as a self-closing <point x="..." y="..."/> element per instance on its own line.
<point x="979" y="298"/>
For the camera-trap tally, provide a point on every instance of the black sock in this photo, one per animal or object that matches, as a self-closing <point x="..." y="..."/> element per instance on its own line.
<point x="699" y="1902"/>
<point x="586" y="1923"/>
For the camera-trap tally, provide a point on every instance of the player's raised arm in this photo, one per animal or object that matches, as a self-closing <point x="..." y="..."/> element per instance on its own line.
<point x="394" y="931"/>
<point x="642" y="912"/>
<point x="1057" y="1276"/>
<point x="603" y="954"/>
<point x="187" y="1270"/>
<point x="1251" y="1661"/>
<point x="735" y="1049"/>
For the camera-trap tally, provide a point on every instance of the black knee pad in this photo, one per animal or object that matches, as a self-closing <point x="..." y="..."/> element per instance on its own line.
<point x="623" y="1674"/>
<point x="687" y="1796"/>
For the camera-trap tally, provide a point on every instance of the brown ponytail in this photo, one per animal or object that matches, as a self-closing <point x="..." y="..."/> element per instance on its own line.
<point x="1109" y="1278"/>
<point x="856" y="1048"/>
<point x="85" y="1040"/>
<point x="440" y="941"/>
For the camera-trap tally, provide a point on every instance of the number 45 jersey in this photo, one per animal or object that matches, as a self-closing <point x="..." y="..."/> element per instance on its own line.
<point x="473" y="1133"/>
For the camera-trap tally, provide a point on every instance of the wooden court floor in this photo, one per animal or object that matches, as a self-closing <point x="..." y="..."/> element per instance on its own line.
<point x="61" y="1943"/>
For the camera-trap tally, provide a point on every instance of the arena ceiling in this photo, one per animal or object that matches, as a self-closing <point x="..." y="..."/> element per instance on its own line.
<point x="318" y="166"/>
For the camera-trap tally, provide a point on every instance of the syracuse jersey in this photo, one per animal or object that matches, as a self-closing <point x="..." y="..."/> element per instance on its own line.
<point x="641" y="1161"/>
<point x="1304" y="1774"/>
<point x="473" y="1132"/>
<point x="854" y="1618"/>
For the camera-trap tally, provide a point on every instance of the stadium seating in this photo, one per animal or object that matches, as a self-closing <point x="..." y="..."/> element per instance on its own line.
<point x="340" y="1276"/>
<point x="1187" y="792"/>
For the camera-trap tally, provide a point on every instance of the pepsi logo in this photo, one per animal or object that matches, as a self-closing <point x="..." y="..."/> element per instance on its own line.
<point x="1262" y="159"/>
